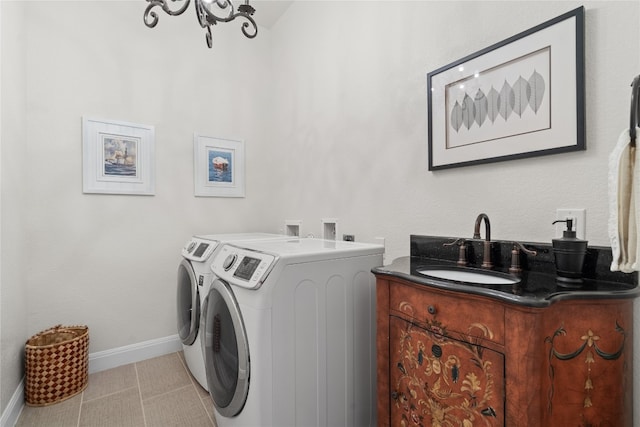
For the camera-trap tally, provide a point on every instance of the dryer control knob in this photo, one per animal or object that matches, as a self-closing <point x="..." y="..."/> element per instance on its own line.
<point x="228" y="263"/>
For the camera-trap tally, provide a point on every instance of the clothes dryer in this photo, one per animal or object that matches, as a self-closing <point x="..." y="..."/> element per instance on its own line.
<point x="289" y="333"/>
<point x="194" y="279"/>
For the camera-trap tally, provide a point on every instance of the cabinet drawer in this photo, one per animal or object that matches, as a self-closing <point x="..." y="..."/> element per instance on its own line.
<point x="466" y="316"/>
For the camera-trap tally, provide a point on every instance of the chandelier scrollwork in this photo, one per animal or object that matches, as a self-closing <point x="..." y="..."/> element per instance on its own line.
<point x="209" y="12"/>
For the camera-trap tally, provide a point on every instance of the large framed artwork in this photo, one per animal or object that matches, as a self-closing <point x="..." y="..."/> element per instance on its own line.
<point x="521" y="97"/>
<point x="118" y="157"/>
<point x="219" y="167"/>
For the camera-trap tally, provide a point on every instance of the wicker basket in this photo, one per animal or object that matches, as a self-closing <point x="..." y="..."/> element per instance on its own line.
<point x="57" y="364"/>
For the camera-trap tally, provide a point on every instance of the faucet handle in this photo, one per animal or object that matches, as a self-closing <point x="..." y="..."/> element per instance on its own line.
<point x="520" y="246"/>
<point x="515" y="257"/>
<point x="459" y="241"/>
<point x="462" y="253"/>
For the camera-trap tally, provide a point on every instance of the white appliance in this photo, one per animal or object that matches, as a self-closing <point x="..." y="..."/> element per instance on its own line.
<point x="194" y="279"/>
<point x="289" y="333"/>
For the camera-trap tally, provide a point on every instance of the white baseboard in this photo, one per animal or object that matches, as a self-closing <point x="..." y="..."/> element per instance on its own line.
<point x="113" y="358"/>
<point x="101" y="361"/>
<point x="12" y="412"/>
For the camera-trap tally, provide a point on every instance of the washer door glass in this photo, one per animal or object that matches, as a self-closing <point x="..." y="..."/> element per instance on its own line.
<point x="226" y="350"/>
<point x="188" y="303"/>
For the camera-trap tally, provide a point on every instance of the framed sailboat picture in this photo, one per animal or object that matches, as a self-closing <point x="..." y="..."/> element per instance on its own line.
<point x="522" y="97"/>
<point x="218" y="166"/>
<point x="118" y="157"/>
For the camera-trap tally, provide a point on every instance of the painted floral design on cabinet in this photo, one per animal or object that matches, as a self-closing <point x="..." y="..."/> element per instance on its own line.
<point x="441" y="379"/>
<point x="587" y="363"/>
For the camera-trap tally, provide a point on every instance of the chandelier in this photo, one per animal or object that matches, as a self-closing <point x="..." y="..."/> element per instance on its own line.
<point x="206" y="12"/>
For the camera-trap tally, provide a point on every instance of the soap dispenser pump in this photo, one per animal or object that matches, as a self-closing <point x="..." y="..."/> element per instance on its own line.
<point x="569" y="252"/>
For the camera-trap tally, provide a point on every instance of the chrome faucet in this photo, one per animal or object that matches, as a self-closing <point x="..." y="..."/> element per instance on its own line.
<point x="486" y="259"/>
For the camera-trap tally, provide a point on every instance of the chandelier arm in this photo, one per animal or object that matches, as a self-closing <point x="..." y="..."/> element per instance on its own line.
<point x="247" y="25"/>
<point x="151" y="17"/>
<point x="209" y="37"/>
<point x="201" y="14"/>
<point x="207" y="18"/>
<point x="223" y="4"/>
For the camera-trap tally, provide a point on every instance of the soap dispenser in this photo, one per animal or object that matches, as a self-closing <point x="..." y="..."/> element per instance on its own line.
<point x="569" y="252"/>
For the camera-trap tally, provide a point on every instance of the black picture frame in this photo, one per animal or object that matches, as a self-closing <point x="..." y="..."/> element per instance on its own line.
<point x="536" y="75"/>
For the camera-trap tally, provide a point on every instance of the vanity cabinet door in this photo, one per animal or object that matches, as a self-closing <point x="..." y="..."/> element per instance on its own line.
<point x="588" y="379"/>
<point x="441" y="381"/>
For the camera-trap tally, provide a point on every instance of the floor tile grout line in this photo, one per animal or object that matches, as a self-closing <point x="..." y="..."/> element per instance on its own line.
<point x="186" y="368"/>
<point x="195" y="386"/>
<point x="166" y="392"/>
<point x="144" y="416"/>
<point x="80" y="408"/>
<point x="174" y="389"/>
<point x="108" y="394"/>
<point x="184" y="365"/>
<point x="202" y="402"/>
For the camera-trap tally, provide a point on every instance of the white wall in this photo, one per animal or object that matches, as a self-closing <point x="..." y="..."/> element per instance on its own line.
<point x="351" y="85"/>
<point x="351" y="121"/>
<point x="332" y="105"/>
<point x="13" y="228"/>
<point x="109" y="261"/>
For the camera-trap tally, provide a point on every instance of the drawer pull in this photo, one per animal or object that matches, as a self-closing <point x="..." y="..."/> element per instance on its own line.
<point x="432" y="309"/>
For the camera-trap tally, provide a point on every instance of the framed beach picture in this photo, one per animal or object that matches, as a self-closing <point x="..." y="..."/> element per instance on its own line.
<point x="118" y="157"/>
<point x="521" y="97"/>
<point x="218" y="167"/>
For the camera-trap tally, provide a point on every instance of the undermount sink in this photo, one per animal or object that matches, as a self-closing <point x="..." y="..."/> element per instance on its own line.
<point x="470" y="276"/>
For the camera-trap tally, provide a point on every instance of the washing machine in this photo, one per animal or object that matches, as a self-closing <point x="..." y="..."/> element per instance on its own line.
<point x="194" y="279"/>
<point x="288" y="333"/>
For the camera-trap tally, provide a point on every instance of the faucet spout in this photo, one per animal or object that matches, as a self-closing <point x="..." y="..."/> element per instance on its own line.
<point x="486" y="259"/>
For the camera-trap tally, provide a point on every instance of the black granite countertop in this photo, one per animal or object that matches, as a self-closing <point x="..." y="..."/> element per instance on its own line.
<point x="537" y="286"/>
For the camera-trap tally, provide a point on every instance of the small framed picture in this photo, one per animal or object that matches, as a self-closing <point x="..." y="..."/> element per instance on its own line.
<point x="118" y="157"/>
<point x="522" y="97"/>
<point x="218" y="166"/>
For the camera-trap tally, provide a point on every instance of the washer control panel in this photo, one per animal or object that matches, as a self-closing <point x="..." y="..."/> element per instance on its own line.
<point x="242" y="267"/>
<point x="198" y="250"/>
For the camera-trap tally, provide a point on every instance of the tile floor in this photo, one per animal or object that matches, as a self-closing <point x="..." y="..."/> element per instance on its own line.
<point x="155" y="392"/>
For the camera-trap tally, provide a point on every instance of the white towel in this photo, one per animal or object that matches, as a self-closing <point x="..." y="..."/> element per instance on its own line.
<point x="624" y="204"/>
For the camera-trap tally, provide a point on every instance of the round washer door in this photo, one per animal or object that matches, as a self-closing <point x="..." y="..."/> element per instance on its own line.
<point x="226" y="349"/>
<point x="188" y="303"/>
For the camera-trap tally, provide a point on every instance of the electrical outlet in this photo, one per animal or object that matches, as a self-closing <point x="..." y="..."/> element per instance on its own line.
<point x="578" y="216"/>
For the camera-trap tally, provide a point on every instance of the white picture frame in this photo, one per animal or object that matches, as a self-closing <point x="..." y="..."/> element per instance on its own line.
<point x="219" y="167"/>
<point x="117" y="157"/>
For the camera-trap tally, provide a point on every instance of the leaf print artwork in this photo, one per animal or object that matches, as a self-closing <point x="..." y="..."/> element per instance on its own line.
<point x="506" y="101"/>
<point x="536" y="83"/>
<point x="456" y="117"/>
<point x="468" y="111"/>
<point x="493" y="104"/>
<point x="516" y="97"/>
<point x="520" y="92"/>
<point x="482" y="107"/>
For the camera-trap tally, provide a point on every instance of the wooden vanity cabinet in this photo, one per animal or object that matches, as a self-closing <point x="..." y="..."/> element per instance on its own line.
<point x="450" y="358"/>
